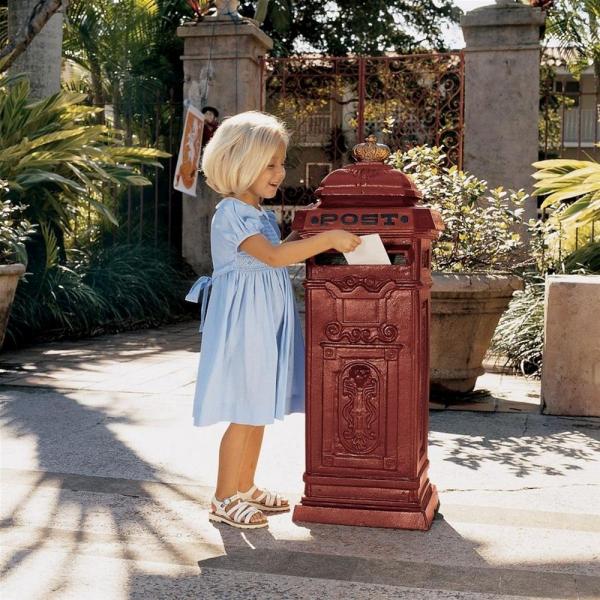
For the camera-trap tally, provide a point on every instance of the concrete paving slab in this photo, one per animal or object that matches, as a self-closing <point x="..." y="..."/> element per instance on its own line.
<point x="489" y="406"/>
<point x="70" y="580"/>
<point x="162" y="360"/>
<point x="105" y="495"/>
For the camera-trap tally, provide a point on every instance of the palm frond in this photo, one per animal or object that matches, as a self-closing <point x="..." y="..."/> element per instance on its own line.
<point x="55" y="160"/>
<point x="561" y="180"/>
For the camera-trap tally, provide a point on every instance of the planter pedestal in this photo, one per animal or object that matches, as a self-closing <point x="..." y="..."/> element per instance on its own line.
<point x="571" y="370"/>
<point x="465" y="310"/>
<point x="9" y="278"/>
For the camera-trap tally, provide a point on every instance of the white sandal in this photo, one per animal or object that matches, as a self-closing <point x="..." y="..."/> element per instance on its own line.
<point x="266" y="502"/>
<point x="238" y="516"/>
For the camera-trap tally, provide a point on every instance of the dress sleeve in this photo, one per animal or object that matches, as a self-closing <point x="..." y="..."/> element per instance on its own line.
<point x="273" y="218"/>
<point x="236" y="224"/>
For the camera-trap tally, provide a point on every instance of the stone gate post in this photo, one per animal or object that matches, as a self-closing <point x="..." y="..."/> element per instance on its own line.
<point x="502" y="62"/>
<point x="221" y="64"/>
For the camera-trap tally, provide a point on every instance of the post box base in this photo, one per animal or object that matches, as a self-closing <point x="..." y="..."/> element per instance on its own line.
<point x="394" y="519"/>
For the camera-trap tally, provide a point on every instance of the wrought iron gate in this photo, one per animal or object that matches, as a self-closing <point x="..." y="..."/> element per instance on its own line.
<point x="329" y="104"/>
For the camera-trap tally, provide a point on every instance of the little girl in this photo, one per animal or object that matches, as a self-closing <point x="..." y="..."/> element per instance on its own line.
<point x="251" y="367"/>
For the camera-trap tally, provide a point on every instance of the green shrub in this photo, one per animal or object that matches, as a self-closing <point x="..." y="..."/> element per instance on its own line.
<point x="56" y="164"/>
<point x="519" y="335"/>
<point x="140" y="283"/>
<point x="586" y="258"/>
<point x="14" y="232"/>
<point x="480" y="224"/>
<point x="98" y="291"/>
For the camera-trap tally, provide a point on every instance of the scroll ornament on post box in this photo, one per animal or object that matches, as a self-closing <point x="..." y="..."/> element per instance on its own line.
<point x="367" y="349"/>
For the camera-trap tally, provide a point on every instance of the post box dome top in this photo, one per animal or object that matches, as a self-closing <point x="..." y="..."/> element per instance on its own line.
<point x="368" y="182"/>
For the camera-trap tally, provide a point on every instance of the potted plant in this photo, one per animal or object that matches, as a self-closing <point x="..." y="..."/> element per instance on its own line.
<point x="13" y="257"/>
<point x="472" y="285"/>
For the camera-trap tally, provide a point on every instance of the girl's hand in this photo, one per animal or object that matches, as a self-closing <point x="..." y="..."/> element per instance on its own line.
<point x="343" y="241"/>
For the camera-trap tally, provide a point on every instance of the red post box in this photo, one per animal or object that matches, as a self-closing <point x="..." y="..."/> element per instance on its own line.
<point x="367" y="353"/>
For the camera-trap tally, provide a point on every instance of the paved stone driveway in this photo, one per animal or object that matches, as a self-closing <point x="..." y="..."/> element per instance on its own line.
<point x="105" y="486"/>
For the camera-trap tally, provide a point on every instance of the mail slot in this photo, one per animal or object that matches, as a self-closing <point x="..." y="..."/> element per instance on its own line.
<point x="367" y="348"/>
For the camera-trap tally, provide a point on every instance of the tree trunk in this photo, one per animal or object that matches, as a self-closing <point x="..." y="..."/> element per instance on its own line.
<point x="42" y="59"/>
<point x="97" y="91"/>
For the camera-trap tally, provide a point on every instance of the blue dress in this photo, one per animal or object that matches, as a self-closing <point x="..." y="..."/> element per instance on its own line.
<point x="251" y="368"/>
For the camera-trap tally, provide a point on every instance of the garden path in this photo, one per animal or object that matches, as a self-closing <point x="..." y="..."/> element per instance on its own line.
<point x="164" y="360"/>
<point x="105" y="487"/>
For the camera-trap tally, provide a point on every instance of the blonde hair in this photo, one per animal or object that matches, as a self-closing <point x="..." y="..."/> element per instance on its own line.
<point x="240" y="151"/>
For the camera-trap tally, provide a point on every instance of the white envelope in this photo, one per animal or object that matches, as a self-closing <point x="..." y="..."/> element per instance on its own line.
<point x="371" y="251"/>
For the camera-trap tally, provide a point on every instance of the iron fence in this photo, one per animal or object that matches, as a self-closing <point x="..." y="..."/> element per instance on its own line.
<point x="330" y="103"/>
<point x="153" y="213"/>
<point x="146" y="214"/>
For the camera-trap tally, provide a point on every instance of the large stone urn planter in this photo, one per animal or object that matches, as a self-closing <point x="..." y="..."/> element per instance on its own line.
<point x="9" y="278"/>
<point x="465" y="310"/>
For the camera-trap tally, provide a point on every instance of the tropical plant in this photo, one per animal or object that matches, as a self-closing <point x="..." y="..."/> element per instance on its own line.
<point x="14" y="231"/>
<point x="98" y="290"/>
<point x="519" y="336"/>
<point x="56" y="163"/>
<point x="567" y="179"/>
<point x="480" y="224"/>
<point x="576" y="25"/>
<point x="131" y="51"/>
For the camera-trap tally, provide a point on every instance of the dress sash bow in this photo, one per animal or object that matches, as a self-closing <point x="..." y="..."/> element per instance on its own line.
<point x="201" y="286"/>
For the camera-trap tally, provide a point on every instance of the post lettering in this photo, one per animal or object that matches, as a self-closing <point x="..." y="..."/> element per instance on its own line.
<point x="349" y="219"/>
<point x="328" y="218"/>
<point x="369" y="219"/>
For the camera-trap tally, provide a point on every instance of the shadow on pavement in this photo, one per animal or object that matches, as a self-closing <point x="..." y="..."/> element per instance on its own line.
<point x="523" y="443"/>
<point x="277" y="557"/>
<point x="56" y="449"/>
<point x="440" y="559"/>
<point x="93" y="354"/>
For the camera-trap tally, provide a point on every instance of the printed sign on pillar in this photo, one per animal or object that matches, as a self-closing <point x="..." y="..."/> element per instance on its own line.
<point x="186" y="172"/>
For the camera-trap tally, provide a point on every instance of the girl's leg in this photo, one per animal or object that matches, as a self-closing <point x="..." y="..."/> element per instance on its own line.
<point x="250" y="460"/>
<point x="231" y="455"/>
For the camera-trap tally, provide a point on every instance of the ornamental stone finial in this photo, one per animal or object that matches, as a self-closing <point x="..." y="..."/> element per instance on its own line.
<point x="371" y="151"/>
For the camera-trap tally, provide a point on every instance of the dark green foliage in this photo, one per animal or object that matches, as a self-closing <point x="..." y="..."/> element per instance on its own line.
<point x="14" y="232"/>
<point x="520" y="333"/>
<point x="347" y="27"/>
<point x="100" y="290"/>
<point x="587" y="258"/>
<point x="138" y="282"/>
<point x="56" y="164"/>
<point x="132" y="54"/>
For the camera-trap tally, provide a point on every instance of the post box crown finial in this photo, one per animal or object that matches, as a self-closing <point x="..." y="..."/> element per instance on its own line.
<point x="371" y="151"/>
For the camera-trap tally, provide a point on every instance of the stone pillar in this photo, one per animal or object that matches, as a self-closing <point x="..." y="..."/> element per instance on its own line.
<point x="502" y="62"/>
<point x="221" y="63"/>
<point x="571" y="370"/>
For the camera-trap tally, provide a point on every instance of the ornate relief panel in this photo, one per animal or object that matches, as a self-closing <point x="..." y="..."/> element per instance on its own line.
<point x="385" y="333"/>
<point x="360" y="397"/>
<point x="358" y="422"/>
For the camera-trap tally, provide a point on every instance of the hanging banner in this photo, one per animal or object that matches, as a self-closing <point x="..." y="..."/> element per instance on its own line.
<point x="186" y="171"/>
